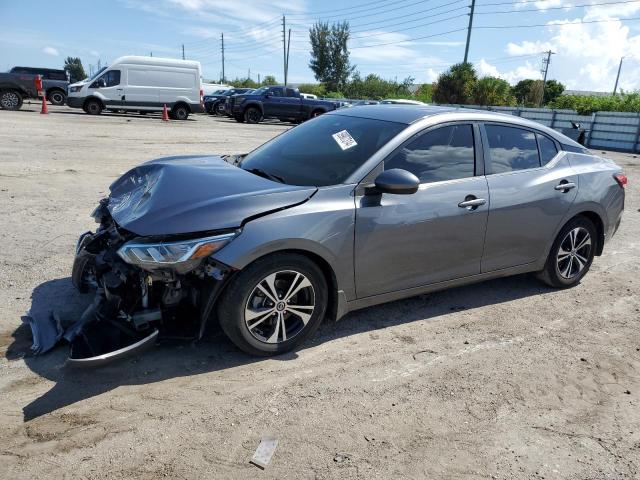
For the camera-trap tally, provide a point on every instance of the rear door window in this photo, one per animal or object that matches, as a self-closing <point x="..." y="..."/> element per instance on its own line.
<point x="547" y="147"/>
<point x="446" y="153"/>
<point x="511" y="148"/>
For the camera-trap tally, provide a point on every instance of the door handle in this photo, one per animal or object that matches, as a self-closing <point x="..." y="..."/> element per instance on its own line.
<point x="472" y="203"/>
<point x="565" y="186"/>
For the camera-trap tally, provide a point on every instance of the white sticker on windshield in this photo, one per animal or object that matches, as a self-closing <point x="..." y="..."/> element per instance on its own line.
<point x="344" y="139"/>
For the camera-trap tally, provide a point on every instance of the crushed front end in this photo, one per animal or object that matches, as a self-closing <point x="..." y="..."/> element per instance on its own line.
<point x="146" y="287"/>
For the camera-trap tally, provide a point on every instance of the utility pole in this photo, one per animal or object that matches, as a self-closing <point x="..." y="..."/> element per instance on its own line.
<point x="284" y="47"/>
<point x="151" y="54"/>
<point x="545" y="69"/>
<point x="183" y="51"/>
<point x="249" y="74"/>
<point x="466" y="49"/>
<point x="258" y="79"/>
<point x="618" y="76"/>
<point x="286" y="68"/>
<point x="222" y="40"/>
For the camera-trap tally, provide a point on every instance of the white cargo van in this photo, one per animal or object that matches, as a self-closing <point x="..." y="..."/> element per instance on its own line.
<point x="143" y="84"/>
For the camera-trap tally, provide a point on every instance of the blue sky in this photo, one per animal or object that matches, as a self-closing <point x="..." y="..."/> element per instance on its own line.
<point x="393" y="38"/>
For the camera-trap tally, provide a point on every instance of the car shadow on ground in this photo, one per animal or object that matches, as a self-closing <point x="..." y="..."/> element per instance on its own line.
<point x="215" y="352"/>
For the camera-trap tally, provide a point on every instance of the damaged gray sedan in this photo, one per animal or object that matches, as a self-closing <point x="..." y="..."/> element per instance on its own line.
<point x="352" y="209"/>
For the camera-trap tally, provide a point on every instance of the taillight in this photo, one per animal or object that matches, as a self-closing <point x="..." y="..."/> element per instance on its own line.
<point x="621" y="178"/>
<point x="201" y="95"/>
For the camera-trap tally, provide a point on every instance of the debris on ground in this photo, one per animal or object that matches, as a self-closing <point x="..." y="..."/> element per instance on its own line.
<point x="264" y="452"/>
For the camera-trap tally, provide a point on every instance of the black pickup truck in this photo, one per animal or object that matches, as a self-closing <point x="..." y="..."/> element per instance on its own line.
<point x="19" y="83"/>
<point x="283" y="103"/>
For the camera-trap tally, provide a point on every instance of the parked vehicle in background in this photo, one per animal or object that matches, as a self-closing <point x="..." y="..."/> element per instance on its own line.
<point x="19" y="84"/>
<point x="143" y="84"/>
<point x="401" y="101"/>
<point x="283" y="103"/>
<point x="333" y="216"/>
<point x="215" y="103"/>
<point x="54" y="82"/>
<point x="364" y="102"/>
<point x="212" y="88"/>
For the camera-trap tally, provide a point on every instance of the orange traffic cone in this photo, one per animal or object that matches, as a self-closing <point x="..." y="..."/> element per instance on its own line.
<point x="165" y="114"/>
<point x="44" y="105"/>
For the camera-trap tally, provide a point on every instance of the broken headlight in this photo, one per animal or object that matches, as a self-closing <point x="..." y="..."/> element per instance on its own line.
<point x="171" y="253"/>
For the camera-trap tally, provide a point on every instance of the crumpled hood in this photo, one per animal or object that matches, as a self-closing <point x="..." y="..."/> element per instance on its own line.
<point x="188" y="194"/>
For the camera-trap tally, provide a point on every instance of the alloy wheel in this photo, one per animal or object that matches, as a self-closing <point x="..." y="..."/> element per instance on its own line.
<point x="10" y="100"/>
<point x="280" y="306"/>
<point x="574" y="252"/>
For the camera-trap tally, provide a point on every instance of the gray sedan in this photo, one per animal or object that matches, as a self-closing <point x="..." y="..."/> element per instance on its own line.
<point x="354" y="208"/>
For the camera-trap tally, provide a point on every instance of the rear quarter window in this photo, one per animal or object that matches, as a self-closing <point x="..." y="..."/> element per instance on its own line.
<point x="511" y="148"/>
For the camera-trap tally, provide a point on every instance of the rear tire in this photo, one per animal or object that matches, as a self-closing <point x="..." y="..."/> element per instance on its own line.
<point x="255" y="323"/>
<point x="10" y="100"/>
<point x="253" y="115"/>
<point x="571" y="254"/>
<point x="57" y="97"/>
<point x="93" y="107"/>
<point x="218" y="109"/>
<point x="239" y="118"/>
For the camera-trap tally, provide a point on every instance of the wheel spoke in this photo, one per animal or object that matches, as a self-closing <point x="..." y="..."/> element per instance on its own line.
<point x="567" y="272"/>
<point x="584" y="242"/>
<point x="579" y="264"/>
<point x="305" y="317"/>
<point x="276" y="332"/>
<point x="253" y="314"/>
<point x="257" y="322"/>
<point x="581" y="258"/>
<point x="303" y="284"/>
<point x="270" y="291"/>
<point x="291" y="287"/>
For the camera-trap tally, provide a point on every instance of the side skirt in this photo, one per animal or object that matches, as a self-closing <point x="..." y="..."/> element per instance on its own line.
<point x="434" y="287"/>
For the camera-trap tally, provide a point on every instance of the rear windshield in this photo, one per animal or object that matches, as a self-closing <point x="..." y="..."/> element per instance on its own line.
<point x="323" y="151"/>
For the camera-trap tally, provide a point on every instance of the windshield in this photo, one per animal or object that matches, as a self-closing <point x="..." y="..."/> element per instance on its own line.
<point x="95" y="75"/>
<point x="260" y="91"/>
<point x="323" y="151"/>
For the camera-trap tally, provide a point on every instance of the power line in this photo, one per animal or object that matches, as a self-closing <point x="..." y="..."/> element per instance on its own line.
<point x="517" y="10"/>
<point x="581" y="22"/>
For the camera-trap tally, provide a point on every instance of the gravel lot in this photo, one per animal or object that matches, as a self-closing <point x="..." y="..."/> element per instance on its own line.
<point x="506" y="379"/>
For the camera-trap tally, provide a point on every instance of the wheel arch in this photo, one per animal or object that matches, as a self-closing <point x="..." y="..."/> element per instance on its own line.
<point x="598" y="223"/>
<point x="253" y="104"/>
<point x="335" y="309"/>
<point x="56" y="89"/>
<point x="92" y="97"/>
<point x="180" y="103"/>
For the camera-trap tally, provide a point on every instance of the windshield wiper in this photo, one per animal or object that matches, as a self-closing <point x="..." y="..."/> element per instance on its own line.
<point x="267" y="175"/>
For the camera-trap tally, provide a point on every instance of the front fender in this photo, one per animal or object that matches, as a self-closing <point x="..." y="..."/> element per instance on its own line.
<point x="322" y="226"/>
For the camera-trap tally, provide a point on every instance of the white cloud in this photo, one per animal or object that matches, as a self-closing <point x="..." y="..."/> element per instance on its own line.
<point x="50" y="51"/>
<point x="587" y="55"/>
<point x="528" y="70"/>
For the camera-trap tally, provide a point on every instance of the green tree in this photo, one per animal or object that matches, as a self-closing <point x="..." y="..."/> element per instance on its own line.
<point x="553" y="90"/>
<point x="376" y="88"/>
<point x="269" y="80"/>
<point x="244" y="82"/>
<point x="313" y="88"/>
<point x="329" y="54"/>
<point x="492" y="91"/>
<point x="529" y="92"/>
<point x="456" y="85"/>
<point x="73" y="66"/>
<point x="425" y="93"/>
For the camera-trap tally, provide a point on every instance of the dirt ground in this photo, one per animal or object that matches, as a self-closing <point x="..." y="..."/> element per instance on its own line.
<point x="505" y="379"/>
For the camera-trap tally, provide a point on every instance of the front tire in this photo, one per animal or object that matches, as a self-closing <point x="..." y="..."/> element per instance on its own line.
<point x="239" y="118"/>
<point x="10" y="100"/>
<point x="274" y="304"/>
<point x="253" y="115"/>
<point x="571" y="254"/>
<point x="93" y="107"/>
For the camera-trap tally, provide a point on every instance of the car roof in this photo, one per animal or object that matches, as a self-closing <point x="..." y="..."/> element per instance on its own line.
<point x="410" y="114"/>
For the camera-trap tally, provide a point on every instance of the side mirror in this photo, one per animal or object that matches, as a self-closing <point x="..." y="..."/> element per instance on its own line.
<point x="102" y="83"/>
<point x="396" y="181"/>
<point x="268" y="94"/>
